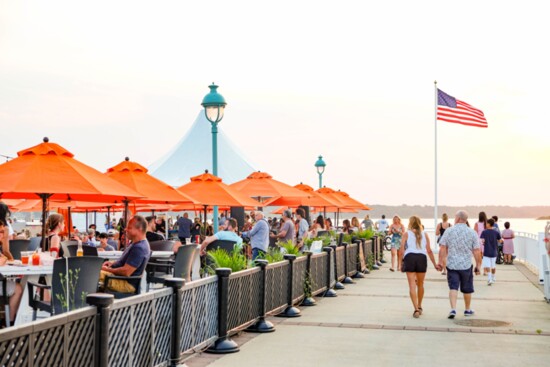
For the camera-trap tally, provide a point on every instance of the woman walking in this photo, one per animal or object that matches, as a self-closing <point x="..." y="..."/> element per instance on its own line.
<point x="396" y="230"/>
<point x="508" y="246"/>
<point x="479" y="227"/>
<point x="414" y="252"/>
<point x="441" y="227"/>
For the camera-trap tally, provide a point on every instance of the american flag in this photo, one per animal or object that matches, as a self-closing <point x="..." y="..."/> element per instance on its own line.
<point x="450" y="109"/>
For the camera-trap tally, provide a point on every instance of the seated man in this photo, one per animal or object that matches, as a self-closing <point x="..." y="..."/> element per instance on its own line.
<point x="133" y="259"/>
<point x="14" y="290"/>
<point x="227" y="234"/>
<point x="112" y="239"/>
<point x="152" y="234"/>
<point x="104" y="244"/>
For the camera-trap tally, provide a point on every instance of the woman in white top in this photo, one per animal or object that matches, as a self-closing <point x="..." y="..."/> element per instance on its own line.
<point x="414" y="252"/>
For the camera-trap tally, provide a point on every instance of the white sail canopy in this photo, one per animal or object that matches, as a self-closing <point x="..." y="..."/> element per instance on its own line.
<point x="193" y="154"/>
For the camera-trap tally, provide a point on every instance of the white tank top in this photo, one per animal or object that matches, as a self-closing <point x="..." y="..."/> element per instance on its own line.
<point x="410" y="246"/>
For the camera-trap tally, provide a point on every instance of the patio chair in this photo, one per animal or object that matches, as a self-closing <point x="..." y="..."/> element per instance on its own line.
<point x="65" y="248"/>
<point x="83" y="279"/>
<point x="35" y="243"/>
<point x="322" y="233"/>
<point x="182" y="266"/>
<point x="5" y="300"/>
<point x="134" y="280"/>
<point x="16" y="246"/>
<point x="223" y="244"/>
<point x="165" y="245"/>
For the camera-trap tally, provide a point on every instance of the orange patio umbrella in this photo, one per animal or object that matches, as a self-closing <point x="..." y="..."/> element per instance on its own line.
<point x="153" y="190"/>
<point x="209" y="190"/>
<point x="261" y="185"/>
<point x="49" y="172"/>
<point x="349" y="202"/>
<point x="312" y="199"/>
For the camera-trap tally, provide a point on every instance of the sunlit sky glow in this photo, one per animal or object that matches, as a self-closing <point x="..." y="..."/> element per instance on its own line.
<point x="350" y="80"/>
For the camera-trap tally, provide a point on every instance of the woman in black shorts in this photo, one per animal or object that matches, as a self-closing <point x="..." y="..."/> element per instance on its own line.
<point x="414" y="252"/>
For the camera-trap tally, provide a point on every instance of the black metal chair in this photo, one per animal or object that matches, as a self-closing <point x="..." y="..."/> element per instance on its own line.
<point x="82" y="280"/>
<point x="65" y="248"/>
<point x="5" y="299"/>
<point x="70" y="250"/>
<point x="16" y="246"/>
<point x="340" y="239"/>
<point x="165" y="245"/>
<point x="134" y="280"/>
<point x="322" y="233"/>
<point x="89" y="250"/>
<point x="182" y="266"/>
<point x="223" y="244"/>
<point x="35" y="243"/>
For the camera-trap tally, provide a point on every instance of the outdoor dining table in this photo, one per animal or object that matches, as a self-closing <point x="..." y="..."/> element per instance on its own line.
<point x="28" y="273"/>
<point x="113" y="255"/>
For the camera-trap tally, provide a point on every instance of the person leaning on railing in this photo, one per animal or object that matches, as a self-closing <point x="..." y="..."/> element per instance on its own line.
<point x="133" y="259"/>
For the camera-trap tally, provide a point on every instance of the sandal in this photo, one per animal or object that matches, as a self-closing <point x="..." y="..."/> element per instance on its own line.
<point x="420" y="310"/>
<point x="391" y="269"/>
<point x="416" y="314"/>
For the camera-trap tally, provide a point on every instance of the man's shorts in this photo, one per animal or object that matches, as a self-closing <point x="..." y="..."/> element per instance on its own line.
<point x="463" y="279"/>
<point x="489" y="262"/>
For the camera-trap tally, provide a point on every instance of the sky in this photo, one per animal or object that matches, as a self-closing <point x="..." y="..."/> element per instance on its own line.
<point x="351" y="80"/>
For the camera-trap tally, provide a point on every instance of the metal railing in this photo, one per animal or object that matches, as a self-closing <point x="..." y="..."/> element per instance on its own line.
<point x="530" y="249"/>
<point x="163" y="327"/>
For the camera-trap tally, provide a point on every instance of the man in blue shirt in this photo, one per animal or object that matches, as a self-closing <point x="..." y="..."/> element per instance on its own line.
<point x="303" y="226"/>
<point x="491" y="238"/>
<point x="259" y="236"/>
<point x="184" y="227"/>
<point x="133" y="259"/>
<point x="227" y="234"/>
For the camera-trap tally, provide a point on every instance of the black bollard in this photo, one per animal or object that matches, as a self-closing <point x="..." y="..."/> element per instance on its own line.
<point x="262" y="325"/>
<point x="176" y="284"/>
<point x="375" y="253"/>
<point x="290" y="310"/>
<point x="103" y="302"/>
<point x="338" y="285"/>
<point x="347" y="279"/>
<point x="308" y="300"/>
<point x="329" y="292"/>
<point x="359" y="274"/>
<point x="224" y="344"/>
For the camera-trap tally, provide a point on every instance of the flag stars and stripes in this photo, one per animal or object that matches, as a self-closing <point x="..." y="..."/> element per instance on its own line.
<point x="450" y="109"/>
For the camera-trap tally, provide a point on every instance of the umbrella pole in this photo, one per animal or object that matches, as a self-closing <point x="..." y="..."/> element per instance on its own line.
<point x="86" y="218"/>
<point x="125" y="221"/>
<point x="95" y="219"/>
<point x="70" y="223"/>
<point x="108" y="217"/>
<point x="44" y="198"/>
<point x="205" y="221"/>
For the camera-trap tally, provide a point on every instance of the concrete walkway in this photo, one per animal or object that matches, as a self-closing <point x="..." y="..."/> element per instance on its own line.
<point x="371" y="322"/>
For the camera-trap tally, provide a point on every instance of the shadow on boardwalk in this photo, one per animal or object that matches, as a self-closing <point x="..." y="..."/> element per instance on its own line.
<point x="371" y="322"/>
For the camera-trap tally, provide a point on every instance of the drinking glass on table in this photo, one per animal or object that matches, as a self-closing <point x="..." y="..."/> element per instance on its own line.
<point x="25" y="257"/>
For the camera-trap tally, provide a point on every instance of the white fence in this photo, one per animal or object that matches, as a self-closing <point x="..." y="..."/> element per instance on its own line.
<point x="530" y="250"/>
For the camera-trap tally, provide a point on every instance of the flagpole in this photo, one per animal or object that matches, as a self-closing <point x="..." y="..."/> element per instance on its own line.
<point x="435" y="156"/>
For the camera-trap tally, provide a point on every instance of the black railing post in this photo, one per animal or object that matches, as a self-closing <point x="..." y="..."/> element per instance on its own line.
<point x="359" y="274"/>
<point x="175" y="284"/>
<point x="102" y="301"/>
<point x="381" y="246"/>
<point x="290" y="310"/>
<point x="224" y="344"/>
<point x="338" y="285"/>
<point x="347" y="279"/>
<point x="262" y="325"/>
<point x="366" y="255"/>
<point x="329" y="292"/>
<point x="375" y="253"/>
<point x="308" y="299"/>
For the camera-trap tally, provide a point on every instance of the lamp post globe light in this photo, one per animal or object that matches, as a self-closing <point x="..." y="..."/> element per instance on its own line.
<point x="214" y="106"/>
<point x="320" y="165"/>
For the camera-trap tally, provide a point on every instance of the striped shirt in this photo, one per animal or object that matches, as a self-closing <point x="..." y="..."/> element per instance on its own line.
<point x="460" y="241"/>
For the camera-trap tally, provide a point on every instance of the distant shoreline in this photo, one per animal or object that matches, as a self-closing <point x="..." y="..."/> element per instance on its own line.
<point x="427" y="211"/>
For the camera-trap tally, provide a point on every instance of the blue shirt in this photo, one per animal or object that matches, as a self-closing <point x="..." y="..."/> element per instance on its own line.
<point x="229" y="236"/>
<point x="135" y="255"/>
<point x="259" y="235"/>
<point x="184" y="227"/>
<point x="490" y="246"/>
<point x="303" y="228"/>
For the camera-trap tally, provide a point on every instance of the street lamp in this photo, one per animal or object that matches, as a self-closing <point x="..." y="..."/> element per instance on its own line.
<point x="320" y="165"/>
<point x="214" y="105"/>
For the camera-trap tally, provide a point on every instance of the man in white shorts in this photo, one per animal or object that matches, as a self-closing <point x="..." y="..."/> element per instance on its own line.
<point x="491" y="239"/>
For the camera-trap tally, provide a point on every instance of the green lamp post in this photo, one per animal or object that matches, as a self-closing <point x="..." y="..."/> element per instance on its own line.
<point x="214" y="106"/>
<point x="320" y="165"/>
